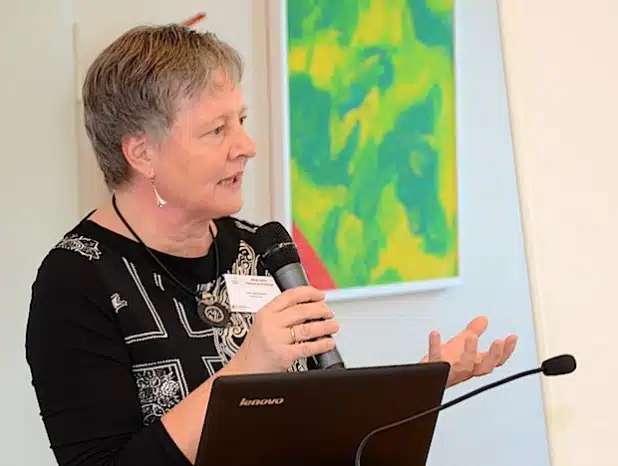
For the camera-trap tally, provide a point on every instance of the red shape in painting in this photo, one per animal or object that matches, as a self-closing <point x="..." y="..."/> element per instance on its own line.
<point x="314" y="267"/>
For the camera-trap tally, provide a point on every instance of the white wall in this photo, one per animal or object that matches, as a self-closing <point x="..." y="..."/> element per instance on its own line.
<point x="38" y="194"/>
<point x="483" y="432"/>
<point x="562" y="70"/>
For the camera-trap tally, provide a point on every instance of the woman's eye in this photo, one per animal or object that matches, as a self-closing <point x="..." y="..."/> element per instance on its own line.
<point x="242" y="120"/>
<point x="217" y="131"/>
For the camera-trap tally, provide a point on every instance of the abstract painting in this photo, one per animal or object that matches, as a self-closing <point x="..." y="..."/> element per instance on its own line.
<point x="368" y="142"/>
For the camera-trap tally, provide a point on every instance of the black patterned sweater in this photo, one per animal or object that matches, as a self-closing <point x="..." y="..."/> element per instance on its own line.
<point x="113" y="343"/>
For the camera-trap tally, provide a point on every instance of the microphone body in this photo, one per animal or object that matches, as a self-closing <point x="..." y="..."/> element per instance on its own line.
<point x="558" y="365"/>
<point x="291" y="276"/>
<point x="280" y="257"/>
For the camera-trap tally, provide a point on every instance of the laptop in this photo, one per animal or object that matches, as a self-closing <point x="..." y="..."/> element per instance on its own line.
<point x="319" y="417"/>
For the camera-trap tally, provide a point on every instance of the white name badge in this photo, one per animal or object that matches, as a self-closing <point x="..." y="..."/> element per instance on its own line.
<point x="250" y="293"/>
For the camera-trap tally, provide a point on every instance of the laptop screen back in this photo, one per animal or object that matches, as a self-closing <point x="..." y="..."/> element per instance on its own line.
<point x="319" y="417"/>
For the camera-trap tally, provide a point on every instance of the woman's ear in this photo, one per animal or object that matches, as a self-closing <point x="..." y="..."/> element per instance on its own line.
<point x="136" y="150"/>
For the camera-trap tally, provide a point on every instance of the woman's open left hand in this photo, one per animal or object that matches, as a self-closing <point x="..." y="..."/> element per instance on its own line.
<point x="461" y="352"/>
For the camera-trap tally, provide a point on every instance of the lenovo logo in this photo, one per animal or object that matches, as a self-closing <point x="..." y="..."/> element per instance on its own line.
<point x="261" y="402"/>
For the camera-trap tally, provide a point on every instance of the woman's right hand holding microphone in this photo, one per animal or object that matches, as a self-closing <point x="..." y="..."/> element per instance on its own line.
<point x="295" y="324"/>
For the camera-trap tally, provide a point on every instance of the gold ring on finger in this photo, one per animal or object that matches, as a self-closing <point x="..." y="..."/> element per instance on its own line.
<point x="293" y="333"/>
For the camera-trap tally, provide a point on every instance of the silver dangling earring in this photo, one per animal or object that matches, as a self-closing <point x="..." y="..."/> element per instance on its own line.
<point x="160" y="201"/>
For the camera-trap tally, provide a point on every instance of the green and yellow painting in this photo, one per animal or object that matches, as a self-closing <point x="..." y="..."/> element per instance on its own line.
<point x="372" y="139"/>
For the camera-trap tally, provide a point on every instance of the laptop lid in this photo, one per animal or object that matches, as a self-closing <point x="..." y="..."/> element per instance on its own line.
<point x="320" y="417"/>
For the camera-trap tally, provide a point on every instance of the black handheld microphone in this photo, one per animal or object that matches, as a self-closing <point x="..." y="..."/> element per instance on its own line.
<point x="558" y="365"/>
<point x="280" y="257"/>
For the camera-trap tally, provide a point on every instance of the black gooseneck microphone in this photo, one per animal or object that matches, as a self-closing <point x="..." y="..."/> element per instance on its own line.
<point x="558" y="365"/>
<point x="280" y="257"/>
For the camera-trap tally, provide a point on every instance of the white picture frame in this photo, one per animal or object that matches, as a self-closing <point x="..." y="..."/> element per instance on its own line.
<point x="280" y="161"/>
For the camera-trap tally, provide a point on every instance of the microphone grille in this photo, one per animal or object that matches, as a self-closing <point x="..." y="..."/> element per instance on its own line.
<point x="275" y="246"/>
<point x="268" y="234"/>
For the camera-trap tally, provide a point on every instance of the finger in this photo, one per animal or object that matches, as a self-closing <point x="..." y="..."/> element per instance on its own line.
<point x="480" y="357"/>
<point x="314" y="330"/>
<point x="509" y="347"/>
<point x="300" y="313"/>
<point x="435" y="347"/>
<point x="294" y="296"/>
<point x="491" y="359"/>
<point x="307" y="349"/>
<point x="478" y="325"/>
<point x="468" y="358"/>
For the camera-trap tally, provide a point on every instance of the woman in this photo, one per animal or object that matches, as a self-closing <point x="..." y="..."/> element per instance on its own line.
<point x="129" y="321"/>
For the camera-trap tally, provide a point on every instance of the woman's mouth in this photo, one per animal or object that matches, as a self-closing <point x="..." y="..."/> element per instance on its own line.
<point x="231" y="181"/>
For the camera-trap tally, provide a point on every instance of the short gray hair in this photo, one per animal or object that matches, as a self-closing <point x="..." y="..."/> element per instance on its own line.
<point x="136" y="84"/>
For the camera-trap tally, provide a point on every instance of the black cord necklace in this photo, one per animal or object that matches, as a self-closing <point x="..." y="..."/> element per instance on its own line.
<point x="208" y="309"/>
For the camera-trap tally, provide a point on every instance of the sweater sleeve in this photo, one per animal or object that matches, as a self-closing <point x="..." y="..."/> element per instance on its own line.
<point x="82" y="376"/>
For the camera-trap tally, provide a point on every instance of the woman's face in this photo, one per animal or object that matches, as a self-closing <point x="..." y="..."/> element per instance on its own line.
<point x="199" y="166"/>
